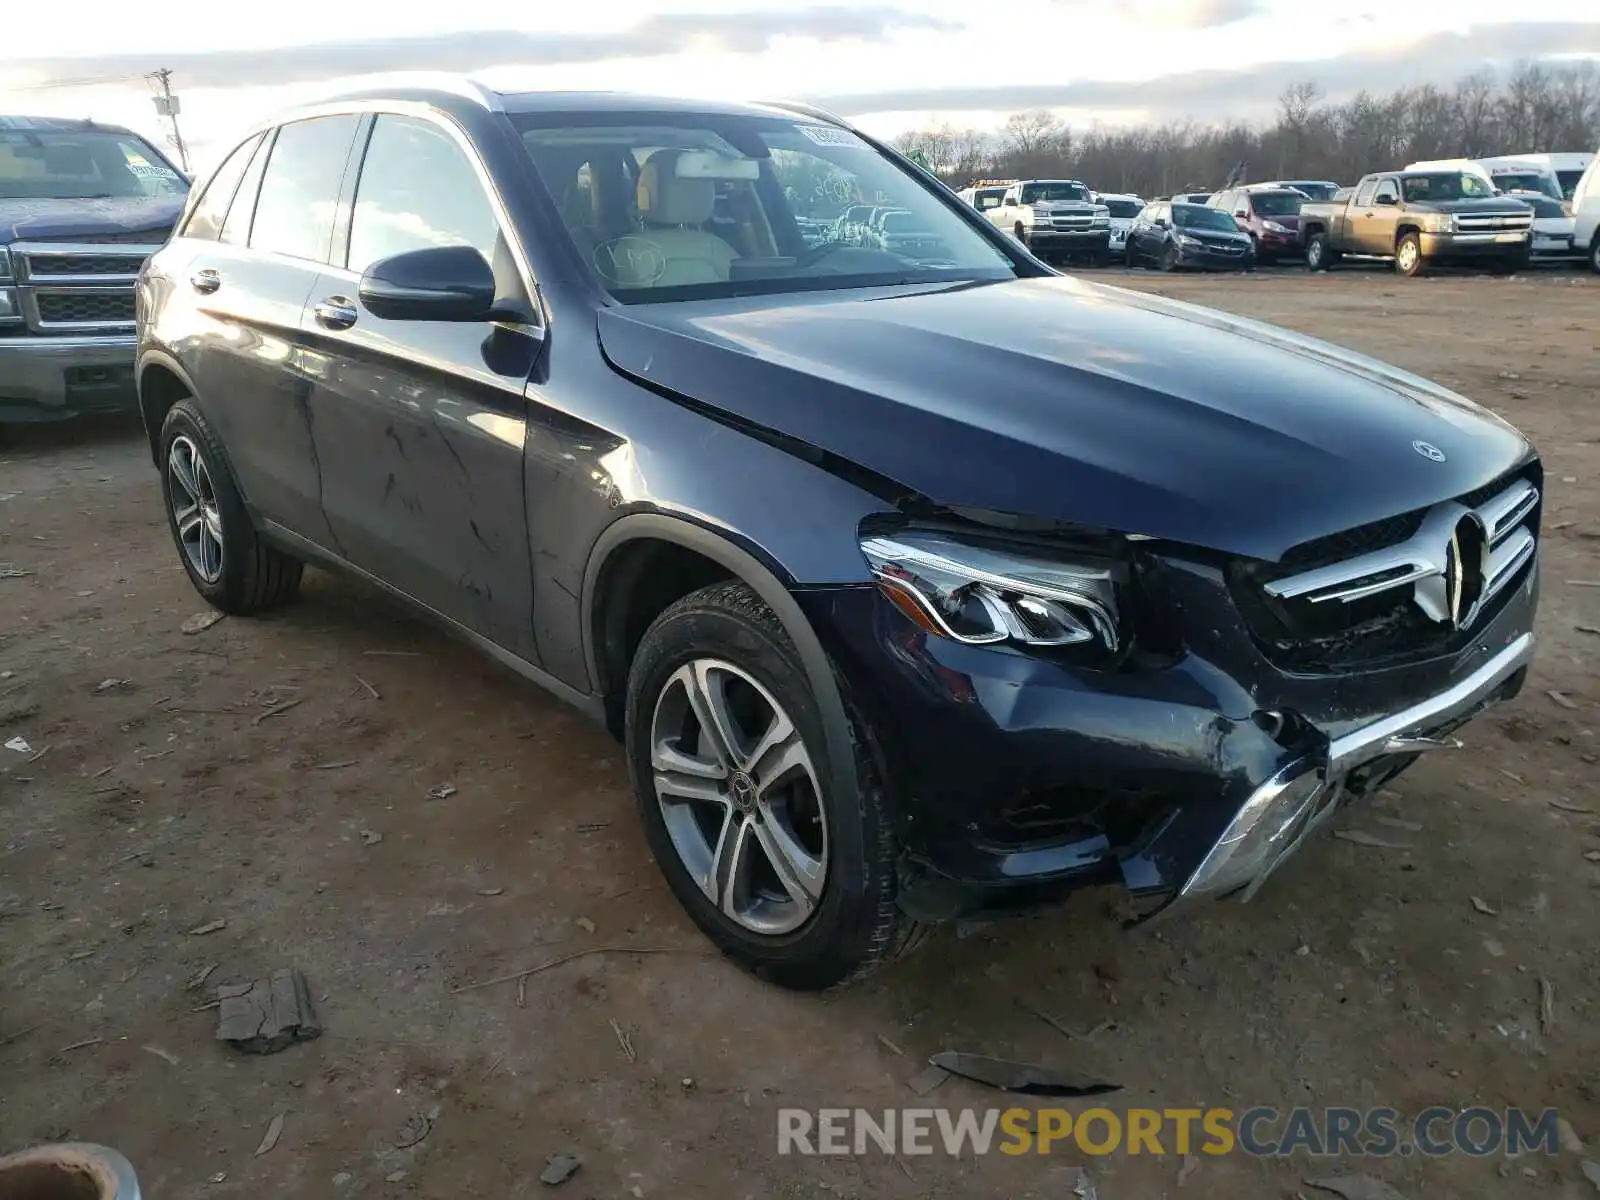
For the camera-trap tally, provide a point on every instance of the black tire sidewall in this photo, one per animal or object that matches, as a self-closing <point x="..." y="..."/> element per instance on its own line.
<point x="1316" y="251"/>
<point x="238" y="534"/>
<point x="838" y="936"/>
<point x="1398" y="249"/>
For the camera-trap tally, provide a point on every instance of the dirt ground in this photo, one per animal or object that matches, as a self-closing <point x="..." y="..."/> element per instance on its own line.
<point x="193" y="793"/>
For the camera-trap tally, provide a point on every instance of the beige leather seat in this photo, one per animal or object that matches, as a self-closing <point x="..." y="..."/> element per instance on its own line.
<point x="669" y="207"/>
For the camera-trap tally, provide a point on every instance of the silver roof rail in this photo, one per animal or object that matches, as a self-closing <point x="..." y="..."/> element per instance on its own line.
<point x="464" y="86"/>
<point x="809" y="110"/>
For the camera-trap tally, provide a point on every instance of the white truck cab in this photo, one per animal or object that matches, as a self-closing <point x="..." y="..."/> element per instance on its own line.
<point x="1568" y="167"/>
<point x="1055" y="217"/>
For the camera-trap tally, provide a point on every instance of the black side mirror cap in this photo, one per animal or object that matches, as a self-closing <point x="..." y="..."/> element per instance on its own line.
<point x="440" y="283"/>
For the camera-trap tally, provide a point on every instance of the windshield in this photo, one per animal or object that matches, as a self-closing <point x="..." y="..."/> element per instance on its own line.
<point x="989" y="197"/>
<point x="1197" y="216"/>
<point x="1444" y="185"/>
<point x="47" y="164"/>
<point x="1032" y="193"/>
<point x="1314" y="190"/>
<point x="1569" y="182"/>
<point x="1277" y="204"/>
<point x="674" y="206"/>
<point x="1124" y="208"/>
<point x="1527" y="181"/>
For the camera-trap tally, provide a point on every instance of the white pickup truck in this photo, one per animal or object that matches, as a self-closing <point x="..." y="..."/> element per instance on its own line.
<point x="1055" y="218"/>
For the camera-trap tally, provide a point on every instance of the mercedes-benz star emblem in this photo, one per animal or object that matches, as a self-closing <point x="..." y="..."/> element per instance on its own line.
<point x="1428" y="451"/>
<point x="1466" y="569"/>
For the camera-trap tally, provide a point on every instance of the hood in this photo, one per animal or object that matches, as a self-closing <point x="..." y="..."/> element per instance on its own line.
<point x="1063" y="400"/>
<point x="1485" y="204"/>
<point x="63" y="220"/>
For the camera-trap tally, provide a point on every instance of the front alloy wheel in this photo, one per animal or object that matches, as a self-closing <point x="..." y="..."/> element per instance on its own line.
<point x="195" y="512"/>
<point x="739" y="796"/>
<point x="1408" y="256"/>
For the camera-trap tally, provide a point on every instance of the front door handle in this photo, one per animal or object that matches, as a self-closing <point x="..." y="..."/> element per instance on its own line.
<point x="205" y="281"/>
<point x="336" y="312"/>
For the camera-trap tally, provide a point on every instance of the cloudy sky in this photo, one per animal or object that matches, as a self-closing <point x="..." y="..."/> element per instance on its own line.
<point x="891" y="64"/>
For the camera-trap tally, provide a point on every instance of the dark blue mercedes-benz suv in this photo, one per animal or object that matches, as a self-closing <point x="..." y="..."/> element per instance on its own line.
<point x="919" y="587"/>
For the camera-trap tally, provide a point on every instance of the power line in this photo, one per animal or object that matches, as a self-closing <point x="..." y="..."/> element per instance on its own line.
<point x="84" y="81"/>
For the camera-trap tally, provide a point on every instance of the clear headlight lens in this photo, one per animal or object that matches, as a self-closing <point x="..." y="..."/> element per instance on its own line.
<point x="1102" y="216"/>
<point x="1439" y="222"/>
<point x="1185" y="240"/>
<point x="1274" y="227"/>
<point x="982" y="595"/>
<point x="5" y="265"/>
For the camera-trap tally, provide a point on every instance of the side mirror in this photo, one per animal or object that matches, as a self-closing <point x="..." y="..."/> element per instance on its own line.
<point x="441" y="283"/>
<point x="1243" y="214"/>
<point x="1162" y="223"/>
<point x="1385" y="200"/>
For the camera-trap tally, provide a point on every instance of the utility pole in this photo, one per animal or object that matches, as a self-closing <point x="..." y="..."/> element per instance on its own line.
<point x="167" y="106"/>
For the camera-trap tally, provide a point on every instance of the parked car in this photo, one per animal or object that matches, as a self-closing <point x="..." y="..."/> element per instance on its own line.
<point x="913" y="591"/>
<point x="82" y="205"/>
<point x="907" y="233"/>
<point x="1417" y="219"/>
<point x="1553" y="236"/>
<point x="1055" y="218"/>
<point x="1173" y="236"/>
<point x="1271" y="216"/>
<point x="1506" y="174"/>
<point x="1567" y="167"/>
<point x="1313" y="189"/>
<point x="1586" y="214"/>
<point x="984" y="198"/>
<point x="1123" y="209"/>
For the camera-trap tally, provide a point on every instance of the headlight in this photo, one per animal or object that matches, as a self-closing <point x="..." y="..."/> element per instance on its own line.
<point x="1439" y="223"/>
<point x="1102" y="216"/>
<point x="1185" y="240"/>
<point x="1274" y="227"/>
<point x="5" y="265"/>
<point x="981" y="595"/>
<point x="10" y="311"/>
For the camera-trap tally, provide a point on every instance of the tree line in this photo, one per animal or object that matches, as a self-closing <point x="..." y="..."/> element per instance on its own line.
<point x="1534" y="107"/>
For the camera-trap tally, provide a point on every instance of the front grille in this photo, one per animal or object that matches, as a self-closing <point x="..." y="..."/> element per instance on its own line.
<point x="69" y="265"/>
<point x="83" y="306"/>
<point x="80" y="287"/>
<point x="1382" y="621"/>
<point x="1493" y="222"/>
<point x="1072" y="222"/>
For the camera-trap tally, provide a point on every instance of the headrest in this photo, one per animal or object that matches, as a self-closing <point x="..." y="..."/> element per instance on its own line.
<point x="665" y="199"/>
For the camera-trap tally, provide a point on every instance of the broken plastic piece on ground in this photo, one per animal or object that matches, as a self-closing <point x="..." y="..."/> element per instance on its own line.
<point x="1027" y="1078"/>
<point x="268" y="1015"/>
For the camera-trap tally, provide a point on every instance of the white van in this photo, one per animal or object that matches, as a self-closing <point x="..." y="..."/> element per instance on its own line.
<point x="1505" y="173"/>
<point x="1586" y="214"/>
<point x="1568" y="167"/>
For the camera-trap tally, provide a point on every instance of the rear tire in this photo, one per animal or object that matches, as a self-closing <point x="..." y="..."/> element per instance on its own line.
<point x="225" y="558"/>
<point x="1408" y="260"/>
<point x="720" y="813"/>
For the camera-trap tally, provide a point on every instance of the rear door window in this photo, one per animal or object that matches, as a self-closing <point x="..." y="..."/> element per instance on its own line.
<point x="236" y="229"/>
<point x="1364" y="193"/>
<point x="208" y="216"/>
<point x="300" y="190"/>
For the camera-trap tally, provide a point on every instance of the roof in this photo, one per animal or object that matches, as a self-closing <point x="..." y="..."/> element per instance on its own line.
<point x="58" y="125"/>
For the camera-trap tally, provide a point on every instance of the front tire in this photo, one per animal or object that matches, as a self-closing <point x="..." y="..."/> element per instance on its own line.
<point x="226" y="560"/>
<point x="1319" y="255"/>
<point x="731" y="771"/>
<point x="1594" y="254"/>
<point x="1169" y="257"/>
<point x="1408" y="260"/>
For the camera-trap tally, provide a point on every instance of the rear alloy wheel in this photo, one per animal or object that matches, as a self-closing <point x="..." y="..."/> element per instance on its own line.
<point x="226" y="560"/>
<point x="735" y="786"/>
<point x="1408" y="256"/>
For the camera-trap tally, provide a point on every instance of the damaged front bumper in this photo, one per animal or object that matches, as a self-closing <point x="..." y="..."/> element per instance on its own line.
<point x="1298" y="800"/>
<point x="1184" y="775"/>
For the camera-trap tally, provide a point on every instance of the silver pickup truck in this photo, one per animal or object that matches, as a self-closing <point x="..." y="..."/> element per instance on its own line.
<point x="82" y="205"/>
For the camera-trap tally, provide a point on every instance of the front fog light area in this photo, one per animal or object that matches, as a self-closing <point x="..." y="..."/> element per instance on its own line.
<point x="1258" y="836"/>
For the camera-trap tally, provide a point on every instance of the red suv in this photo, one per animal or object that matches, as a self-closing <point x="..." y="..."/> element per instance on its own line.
<point x="1271" y="216"/>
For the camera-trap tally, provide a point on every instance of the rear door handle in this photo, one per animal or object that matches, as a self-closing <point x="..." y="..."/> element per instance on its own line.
<point x="336" y="312"/>
<point x="205" y="281"/>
